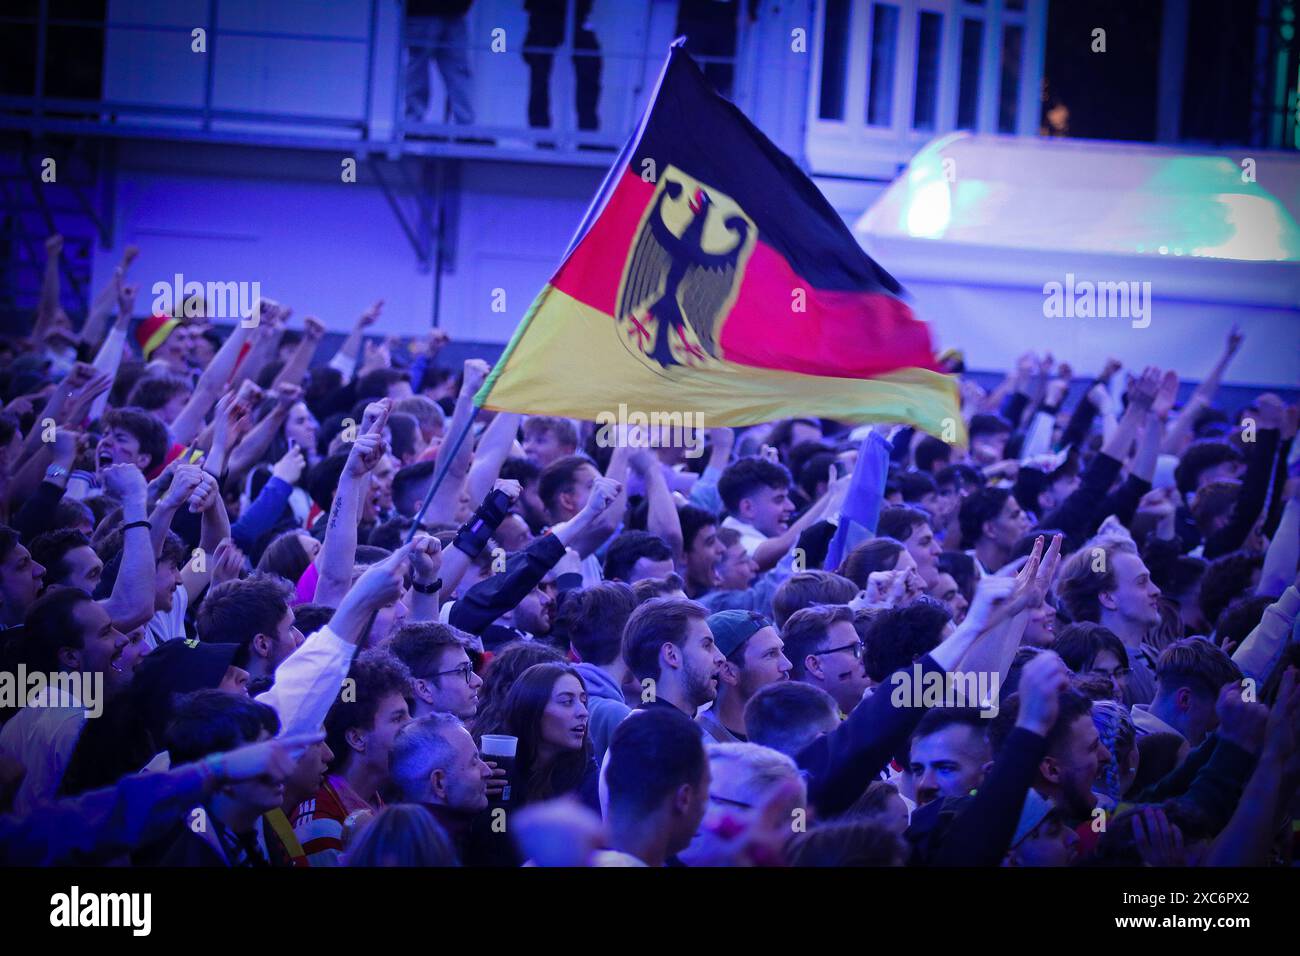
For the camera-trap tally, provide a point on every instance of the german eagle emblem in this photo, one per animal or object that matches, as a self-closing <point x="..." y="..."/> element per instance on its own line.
<point x="683" y="273"/>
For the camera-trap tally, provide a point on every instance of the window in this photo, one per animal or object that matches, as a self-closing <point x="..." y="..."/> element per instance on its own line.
<point x="884" y="51"/>
<point x="968" y="90"/>
<point x="929" y="37"/>
<point x="835" y="52"/>
<point x="1009" y="90"/>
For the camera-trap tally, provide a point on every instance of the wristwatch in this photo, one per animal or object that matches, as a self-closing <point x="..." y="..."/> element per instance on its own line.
<point x="55" y="473"/>
<point x="433" y="588"/>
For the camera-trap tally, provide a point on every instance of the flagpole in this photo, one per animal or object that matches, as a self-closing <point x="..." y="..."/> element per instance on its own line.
<point x="442" y="473"/>
<point x="602" y="195"/>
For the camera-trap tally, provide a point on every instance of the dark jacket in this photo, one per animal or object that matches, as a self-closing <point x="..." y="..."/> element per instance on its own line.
<point x="843" y="763"/>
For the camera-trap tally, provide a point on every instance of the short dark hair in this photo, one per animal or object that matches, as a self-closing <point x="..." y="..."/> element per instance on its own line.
<point x="1212" y="501"/>
<point x="805" y="631"/>
<point x="915" y="485"/>
<point x="560" y="476"/>
<point x="980" y="506"/>
<point x="376" y="674"/>
<point x="410" y="485"/>
<point x="1195" y="663"/>
<point x="1072" y="706"/>
<point x="899" y="636"/>
<point x="145" y="428"/>
<point x="594" y="619"/>
<point x="657" y="622"/>
<point x="213" y="721"/>
<point x="694" y="520"/>
<point x="1226" y="578"/>
<point x="50" y="549"/>
<point x="420" y="645"/>
<point x="806" y="588"/>
<point x="50" y="626"/>
<point x="651" y="754"/>
<point x="375" y="384"/>
<point x="1237" y="620"/>
<point x="235" y="612"/>
<point x="746" y="476"/>
<point x="784" y="715"/>
<point x="959" y="476"/>
<point x="630" y="547"/>
<point x="152" y="392"/>
<point x="900" y="521"/>
<point x="1199" y="457"/>
<point x="941" y="718"/>
<point x="985" y="424"/>
<point x="929" y="452"/>
<point x="403" y="428"/>
<point x="1080" y="643"/>
<point x="310" y="618"/>
<point x="323" y="479"/>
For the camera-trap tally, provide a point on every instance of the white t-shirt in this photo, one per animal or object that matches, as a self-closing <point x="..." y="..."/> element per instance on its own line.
<point x="168" y="625"/>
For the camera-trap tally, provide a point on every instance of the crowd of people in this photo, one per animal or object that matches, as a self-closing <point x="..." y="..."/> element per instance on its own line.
<point x="261" y="608"/>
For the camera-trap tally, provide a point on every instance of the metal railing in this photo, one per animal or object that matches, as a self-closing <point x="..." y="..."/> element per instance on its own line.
<point x="365" y="128"/>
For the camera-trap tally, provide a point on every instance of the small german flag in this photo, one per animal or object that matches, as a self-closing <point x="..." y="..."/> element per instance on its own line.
<point x="711" y="276"/>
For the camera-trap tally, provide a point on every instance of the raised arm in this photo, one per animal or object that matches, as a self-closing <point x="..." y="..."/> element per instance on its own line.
<point x="293" y="371"/>
<point x="447" y="497"/>
<point x="338" y="551"/>
<point x="108" y="299"/>
<point x="493" y="449"/>
<point x="345" y="359"/>
<point x="210" y="385"/>
<point x="48" y="305"/>
<point x="661" y="517"/>
<point x="132" y="602"/>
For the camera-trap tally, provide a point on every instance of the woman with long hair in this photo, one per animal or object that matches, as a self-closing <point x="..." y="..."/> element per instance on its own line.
<point x="500" y="675"/>
<point x="547" y="711"/>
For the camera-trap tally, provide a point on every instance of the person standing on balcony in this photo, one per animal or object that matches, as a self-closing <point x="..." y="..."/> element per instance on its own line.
<point x="438" y="32"/>
<point x="545" y="33"/>
<point x="710" y="30"/>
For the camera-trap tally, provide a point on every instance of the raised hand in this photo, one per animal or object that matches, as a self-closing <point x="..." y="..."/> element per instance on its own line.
<point x="371" y="315"/>
<point x="475" y="374"/>
<point x="185" y="480"/>
<point x="426" y="558"/>
<point x="1167" y="394"/>
<point x="1159" y="842"/>
<point x="54" y="245"/>
<point x="227" y="562"/>
<point x="1240" y="721"/>
<point x="1043" y="679"/>
<point x="1235" y="338"/>
<point x="603" y="492"/>
<point x="313" y="328"/>
<point x="125" y="482"/>
<point x="271" y="760"/>
<point x="1142" y="393"/>
<point x="509" y="487"/>
<point x="290" y="466"/>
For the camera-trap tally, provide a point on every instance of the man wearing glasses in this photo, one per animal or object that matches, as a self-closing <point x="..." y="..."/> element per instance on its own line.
<point x="442" y="675"/>
<point x="826" y="652"/>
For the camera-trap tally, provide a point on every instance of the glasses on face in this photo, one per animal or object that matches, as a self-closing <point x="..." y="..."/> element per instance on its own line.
<point x="465" y="670"/>
<point x="855" y="648"/>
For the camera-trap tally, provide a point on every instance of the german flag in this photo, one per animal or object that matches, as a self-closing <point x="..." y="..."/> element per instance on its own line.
<point x="710" y="276"/>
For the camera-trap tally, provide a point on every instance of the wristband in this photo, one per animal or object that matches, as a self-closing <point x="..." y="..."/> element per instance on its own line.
<point x="433" y="588"/>
<point x="474" y="534"/>
<point x="136" y="524"/>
